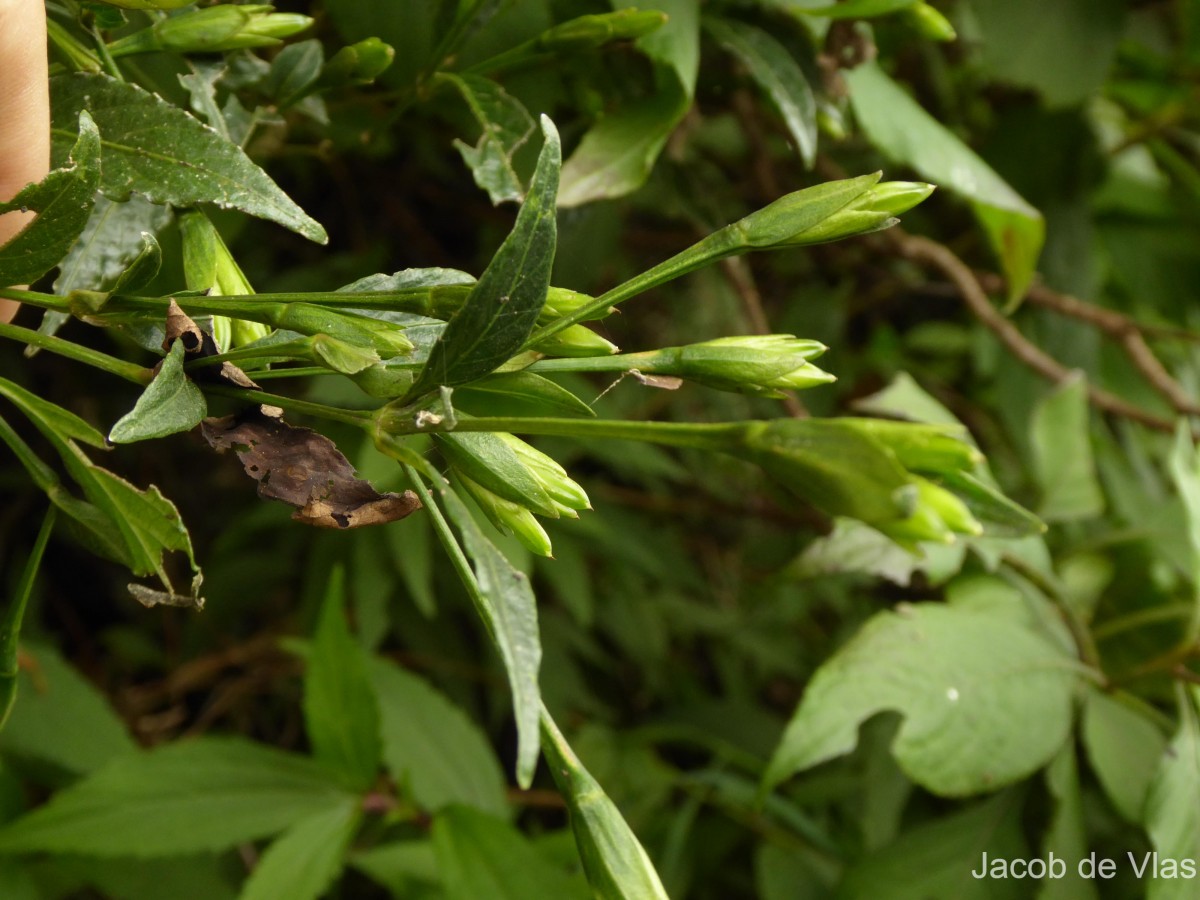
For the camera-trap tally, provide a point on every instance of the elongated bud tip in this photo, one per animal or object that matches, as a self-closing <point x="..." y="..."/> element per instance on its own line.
<point x="896" y="197"/>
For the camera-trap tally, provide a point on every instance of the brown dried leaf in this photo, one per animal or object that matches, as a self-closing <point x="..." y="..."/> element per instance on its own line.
<point x="197" y="345"/>
<point x="304" y="469"/>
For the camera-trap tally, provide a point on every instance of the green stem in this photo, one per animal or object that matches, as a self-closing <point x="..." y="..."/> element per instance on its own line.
<point x="361" y="418"/>
<point x="716" y="436"/>
<point x="1142" y="618"/>
<point x="716" y="246"/>
<point x="621" y="362"/>
<point x="112" y="365"/>
<point x="14" y="615"/>
<point x="79" y="57"/>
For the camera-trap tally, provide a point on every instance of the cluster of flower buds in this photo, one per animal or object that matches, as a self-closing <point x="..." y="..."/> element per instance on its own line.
<point x="764" y="365"/>
<point x="914" y="483"/>
<point x="511" y="480"/>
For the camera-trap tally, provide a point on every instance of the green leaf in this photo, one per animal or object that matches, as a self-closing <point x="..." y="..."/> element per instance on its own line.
<point x="170" y="404"/>
<point x="506" y="126"/>
<point x="521" y="393"/>
<point x="616" y="155"/>
<point x="340" y="711"/>
<point x="203" y="794"/>
<point x="906" y="133"/>
<point x="303" y="862"/>
<point x="1124" y="748"/>
<point x="61" y="718"/>
<point x="294" y="72"/>
<point x="400" y="866"/>
<point x="935" y="859"/>
<point x="779" y="75"/>
<point x="161" y="152"/>
<point x="488" y="459"/>
<point x="509" y="611"/>
<point x="1185" y="472"/>
<point x="63" y="201"/>
<point x="1063" y="50"/>
<point x="967" y="683"/>
<point x="1062" y="454"/>
<point x="1170" y="814"/>
<point x="482" y="856"/>
<point x="51" y="416"/>
<point x="1066" y="838"/>
<point x="431" y="748"/>
<point x="504" y="304"/>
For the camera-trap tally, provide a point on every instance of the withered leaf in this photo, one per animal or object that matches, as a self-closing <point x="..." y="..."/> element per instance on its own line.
<point x="197" y="345"/>
<point x="303" y="468"/>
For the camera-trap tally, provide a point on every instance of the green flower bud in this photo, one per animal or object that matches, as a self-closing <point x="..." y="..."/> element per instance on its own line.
<point x="550" y="475"/>
<point x="214" y="29"/>
<point x="576" y="341"/>
<point x="929" y="22"/>
<point x="359" y="63"/>
<point x="508" y="517"/>
<point x="895" y="197"/>
<point x="933" y="449"/>
<point x="949" y="508"/>
<point x="923" y="525"/>
<point x="596" y="30"/>
<point x="752" y="364"/>
<point x="489" y="460"/>
<point x="367" y="332"/>
<point x="382" y="380"/>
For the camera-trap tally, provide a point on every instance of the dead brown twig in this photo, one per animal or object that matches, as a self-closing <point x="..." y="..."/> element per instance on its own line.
<point x="932" y="254"/>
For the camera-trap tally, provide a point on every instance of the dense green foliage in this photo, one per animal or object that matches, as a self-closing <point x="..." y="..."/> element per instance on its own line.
<point x="846" y="553"/>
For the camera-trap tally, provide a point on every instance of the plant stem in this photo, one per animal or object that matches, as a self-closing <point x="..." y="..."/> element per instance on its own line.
<point x="716" y="246"/>
<point x="112" y="365"/>
<point x="716" y="436"/>
<point x="361" y="418"/>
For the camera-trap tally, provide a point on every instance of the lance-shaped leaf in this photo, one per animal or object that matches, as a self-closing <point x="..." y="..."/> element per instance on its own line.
<point x="506" y="126"/>
<point x="772" y="66"/>
<point x="161" y="152"/>
<point x="303" y="862"/>
<point x="63" y="201"/>
<point x="170" y="404"/>
<point x="509" y="611"/>
<point x="505" y="303"/>
<point x="905" y="132"/>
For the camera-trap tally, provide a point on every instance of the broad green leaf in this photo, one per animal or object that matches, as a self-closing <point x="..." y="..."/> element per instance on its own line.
<point x="50" y="415"/>
<point x="509" y="611"/>
<point x="855" y="547"/>
<point x="858" y="9"/>
<point x="521" y="393"/>
<point x="1170" y="814"/>
<point x="1062" y="454"/>
<point x="170" y="404"/>
<point x="900" y="129"/>
<point x="934" y="860"/>
<point x="1124" y="748"/>
<point x="340" y="711"/>
<point x="63" y="201"/>
<point x="482" y="856"/>
<point x="614" y="860"/>
<point x="303" y="862"/>
<point x="506" y="126"/>
<point x="61" y="718"/>
<point x="778" y="74"/>
<point x="399" y="866"/>
<point x="192" y="877"/>
<point x="616" y="155"/>
<point x="294" y="72"/>
<point x="505" y="302"/>
<point x="431" y="749"/>
<point x="1066" y="838"/>
<point x="161" y="152"/>
<point x="203" y="794"/>
<point x="16" y="883"/>
<point x="1063" y="49"/>
<point x="967" y="684"/>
